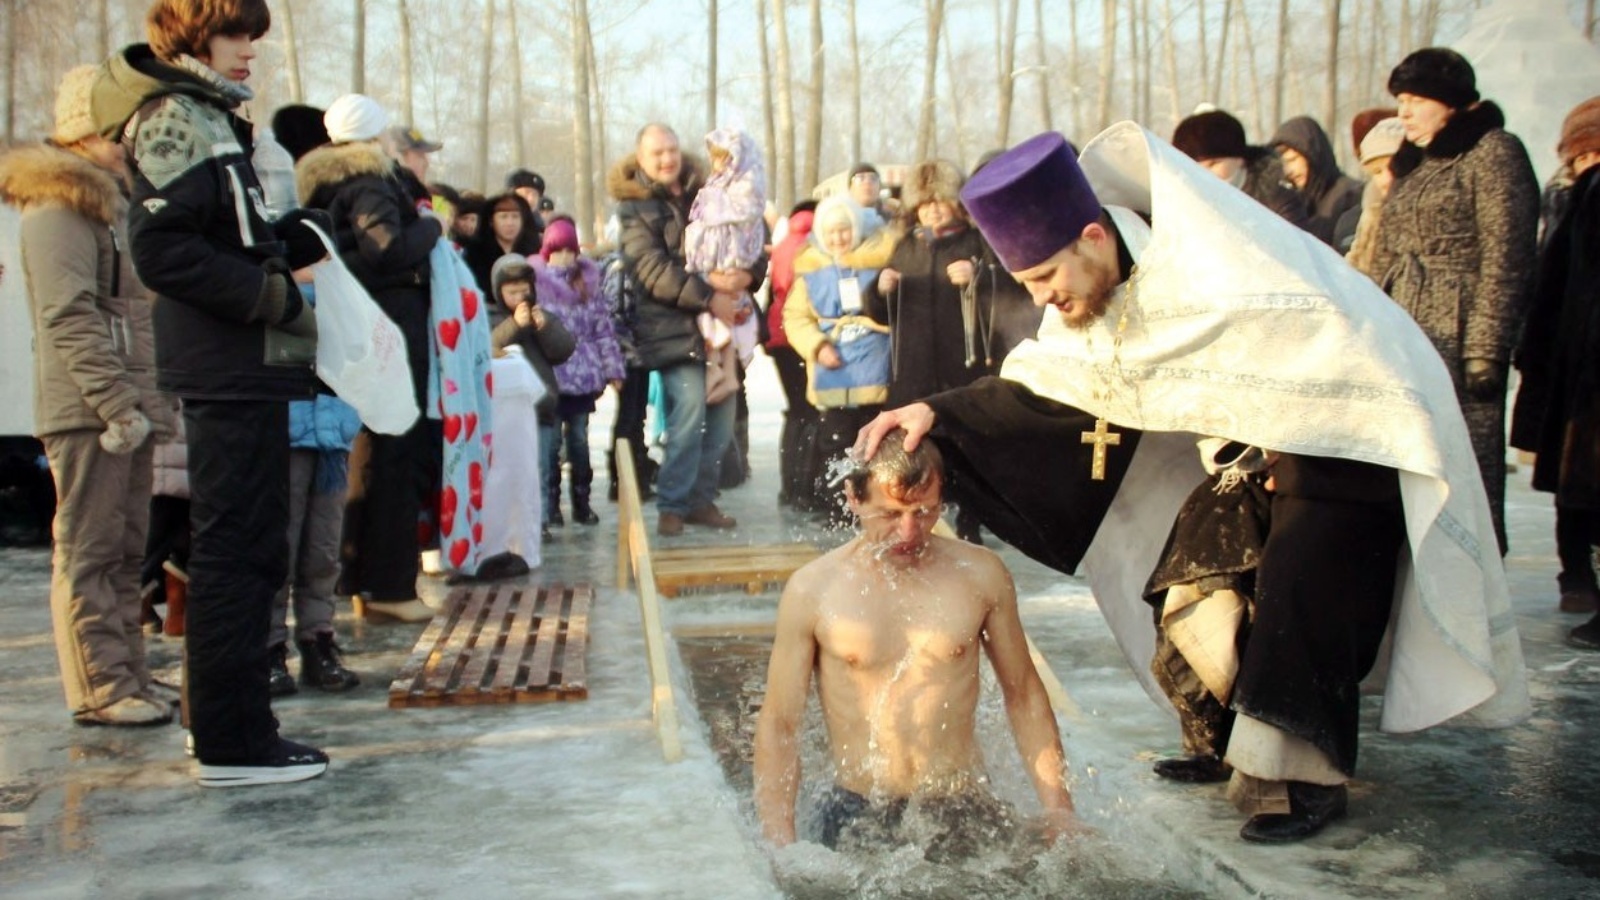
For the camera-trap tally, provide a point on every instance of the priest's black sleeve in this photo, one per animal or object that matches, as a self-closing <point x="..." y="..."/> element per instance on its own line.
<point x="1018" y="460"/>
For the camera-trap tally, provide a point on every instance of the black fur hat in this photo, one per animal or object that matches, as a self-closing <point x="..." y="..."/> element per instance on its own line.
<point x="299" y="129"/>
<point x="1437" y="73"/>
<point x="1210" y="135"/>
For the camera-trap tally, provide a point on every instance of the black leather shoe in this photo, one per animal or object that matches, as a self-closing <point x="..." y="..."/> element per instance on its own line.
<point x="1311" y="808"/>
<point x="279" y="682"/>
<point x="1586" y="636"/>
<point x="1194" y="769"/>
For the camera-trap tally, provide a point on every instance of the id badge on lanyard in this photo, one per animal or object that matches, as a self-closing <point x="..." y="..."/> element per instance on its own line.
<point x="849" y="296"/>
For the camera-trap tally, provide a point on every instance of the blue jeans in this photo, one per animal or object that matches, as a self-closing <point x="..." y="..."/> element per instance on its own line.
<point x="697" y="438"/>
<point x="572" y="432"/>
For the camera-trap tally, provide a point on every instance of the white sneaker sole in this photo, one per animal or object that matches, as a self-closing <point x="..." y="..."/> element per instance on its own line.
<point x="249" y="776"/>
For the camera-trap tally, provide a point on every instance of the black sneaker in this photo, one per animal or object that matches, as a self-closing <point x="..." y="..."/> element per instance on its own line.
<point x="291" y="762"/>
<point x="279" y="682"/>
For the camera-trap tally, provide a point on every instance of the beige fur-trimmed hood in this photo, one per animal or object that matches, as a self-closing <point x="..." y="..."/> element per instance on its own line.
<point x="44" y="175"/>
<point x="624" y="181"/>
<point x="334" y="164"/>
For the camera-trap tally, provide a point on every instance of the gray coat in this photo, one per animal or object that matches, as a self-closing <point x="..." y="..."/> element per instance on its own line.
<point x="1456" y="248"/>
<point x="95" y="348"/>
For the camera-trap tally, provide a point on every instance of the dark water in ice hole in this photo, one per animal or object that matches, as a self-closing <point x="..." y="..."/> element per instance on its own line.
<point x="728" y="674"/>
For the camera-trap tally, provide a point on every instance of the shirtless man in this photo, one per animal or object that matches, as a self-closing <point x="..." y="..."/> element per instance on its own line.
<point x="891" y="623"/>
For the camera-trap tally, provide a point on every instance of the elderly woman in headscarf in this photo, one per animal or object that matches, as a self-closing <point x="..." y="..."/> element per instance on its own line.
<point x="846" y="351"/>
<point x="1457" y="243"/>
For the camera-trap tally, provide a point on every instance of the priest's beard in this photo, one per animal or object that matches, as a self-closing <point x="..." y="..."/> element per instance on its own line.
<point x="1082" y="308"/>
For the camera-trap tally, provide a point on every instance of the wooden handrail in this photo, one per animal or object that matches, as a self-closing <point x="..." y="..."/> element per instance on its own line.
<point x="633" y="553"/>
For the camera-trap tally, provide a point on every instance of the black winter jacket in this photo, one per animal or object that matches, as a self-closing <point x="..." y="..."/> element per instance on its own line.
<point x="200" y="237"/>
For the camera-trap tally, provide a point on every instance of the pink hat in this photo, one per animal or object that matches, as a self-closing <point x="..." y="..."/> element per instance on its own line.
<point x="558" y="235"/>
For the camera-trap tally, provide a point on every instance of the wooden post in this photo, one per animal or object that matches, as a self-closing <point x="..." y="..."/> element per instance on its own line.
<point x="636" y="548"/>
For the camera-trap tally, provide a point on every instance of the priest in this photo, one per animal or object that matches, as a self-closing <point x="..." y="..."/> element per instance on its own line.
<point x="1189" y="315"/>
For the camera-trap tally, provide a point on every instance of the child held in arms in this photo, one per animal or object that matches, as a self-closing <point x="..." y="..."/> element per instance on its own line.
<point x="726" y="231"/>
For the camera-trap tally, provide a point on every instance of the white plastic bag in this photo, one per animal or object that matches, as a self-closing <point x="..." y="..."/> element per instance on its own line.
<point x="361" y="353"/>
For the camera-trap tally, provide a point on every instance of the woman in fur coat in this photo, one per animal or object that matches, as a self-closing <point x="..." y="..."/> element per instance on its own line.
<point x="1457" y="243"/>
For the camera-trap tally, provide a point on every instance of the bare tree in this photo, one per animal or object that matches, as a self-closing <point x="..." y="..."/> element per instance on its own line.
<point x="1588" y="21"/>
<point x="408" y="99"/>
<point x="1007" y="36"/>
<point x="1041" y="60"/>
<point x="11" y="73"/>
<point x="291" y="52"/>
<point x="519" y="146"/>
<point x="1280" y="69"/>
<point x="358" y="52"/>
<point x="956" y="106"/>
<point x="599" y="158"/>
<point x="711" y="64"/>
<point x="855" y="81"/>
<point x="1076" y="61"/>
<point x="102" y="20"/>
<point x="1222" y="51"/>
<point x="1205" y="59"/>
<point x="814" y="105"/>
<point x="482" y="173"/>
<point x="783" y="174"/>
<point x="930" y="76"/>
<point x="1256" y="105"/>
<point x="1330" y="96"/>
<point x="1108" y="62"/>
<point x="582" y="121"/>
<point x="1169" y="54"/>
<point x="767" y="123"/>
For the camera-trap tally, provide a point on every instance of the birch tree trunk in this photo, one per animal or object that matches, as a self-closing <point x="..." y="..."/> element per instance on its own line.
<point x="1430" y="24"/>
<point x="1135" y="84"/>
<point x="1205" y="58"/>
<point x="930" y="75"/>
<point x="1255" y="73"/>
<point x="956" y="106"/>
<point x="483" y="95"/>
<point x="711" y="64"/>
<point x="1405" y="30"/>
<point x="11" y="73"/>
<point x="814" y="107"/>
<point x="1008" y="68"/>
<point x="291" y="52"/>
<point x="1146" y="63"/>
<point x="358" y="49"/>
<point x="599" y="153"/>
<point x="770" y="129"/>
<point x="1108" y="62"/>
<point x="519" y="127"/>
<point x="1280" y="70"/>
<point x="1169" y="52"/>
<point x="1588" y="21"/>
<point x="1073" y="81"/>
<point x="582" y="120"/>
<point x="1222" y="52"/>
<point x="1330" y="96"/>
<point x="102" y="21"/>
<point x="1042" y="60"/>
<point x="783" y="174"/>
<point x="408" y="94"/>
<point x="855" y="82"/>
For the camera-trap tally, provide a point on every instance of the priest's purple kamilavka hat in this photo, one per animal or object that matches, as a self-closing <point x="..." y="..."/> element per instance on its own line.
<point x="1031" y="201"/>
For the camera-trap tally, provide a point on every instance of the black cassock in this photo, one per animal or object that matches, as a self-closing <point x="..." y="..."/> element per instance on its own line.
<point x="1326" y="578"/>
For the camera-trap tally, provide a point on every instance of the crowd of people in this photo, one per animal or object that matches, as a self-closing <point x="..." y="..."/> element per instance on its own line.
<point x="1342" y="348"/>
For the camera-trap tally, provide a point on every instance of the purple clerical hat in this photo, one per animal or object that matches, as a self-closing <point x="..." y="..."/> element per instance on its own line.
<point x="1031" y="201"/>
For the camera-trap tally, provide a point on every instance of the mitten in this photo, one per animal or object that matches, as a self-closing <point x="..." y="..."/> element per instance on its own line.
<point x="302" y="247"/>
<point x="125" y="433"/>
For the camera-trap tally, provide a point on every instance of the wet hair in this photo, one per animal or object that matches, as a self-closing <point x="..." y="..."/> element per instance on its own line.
<point x="899" y="473"/>
<point x="185" y="27"/>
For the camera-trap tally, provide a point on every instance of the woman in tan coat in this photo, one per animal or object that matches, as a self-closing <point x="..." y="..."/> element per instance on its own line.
<point x="95" y="406"/>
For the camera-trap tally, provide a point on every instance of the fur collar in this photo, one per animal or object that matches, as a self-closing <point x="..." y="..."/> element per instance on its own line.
<point x="625" y="182"/>
<point x="1458" y="136"/>
<point x="333" y="164"/>
<point x="44" y="175"/>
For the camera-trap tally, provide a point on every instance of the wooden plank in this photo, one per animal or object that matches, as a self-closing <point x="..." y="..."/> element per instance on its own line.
<point x="407" y="681"/>
<point x="575" y="649"/>
<point x="510" y="672"/>
<point x="442" y="667"/>
<point x="551" y="600"/>
<point x="486" y="649"/>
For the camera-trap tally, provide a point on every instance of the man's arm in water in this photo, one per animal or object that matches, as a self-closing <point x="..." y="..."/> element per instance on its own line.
<point x="1033" y="723"/>
<point x="777" y="744"/>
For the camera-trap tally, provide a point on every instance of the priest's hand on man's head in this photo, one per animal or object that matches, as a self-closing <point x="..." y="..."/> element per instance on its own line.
<point x="1485" y="379"/>
<point x="916" y="419"/>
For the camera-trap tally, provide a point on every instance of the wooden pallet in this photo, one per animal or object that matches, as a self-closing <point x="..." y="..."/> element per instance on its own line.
<point x="756" y="567"/>
<point x="500" y="643"/>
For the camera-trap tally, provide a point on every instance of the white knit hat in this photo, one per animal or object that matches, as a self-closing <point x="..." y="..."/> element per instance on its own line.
<point x="354" y="117"/>
<point x="73" y="121"/>
<point x="1382" y="140"/>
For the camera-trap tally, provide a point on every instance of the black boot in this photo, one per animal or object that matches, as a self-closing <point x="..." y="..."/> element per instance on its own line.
<point x="322" y="665"/>
<point x="1311" y="808"/>
<point x="279" y="682"/>
<point x="1194" y="769"/>
<point x="582" y="512"/>
<point x="611" y="470"/>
